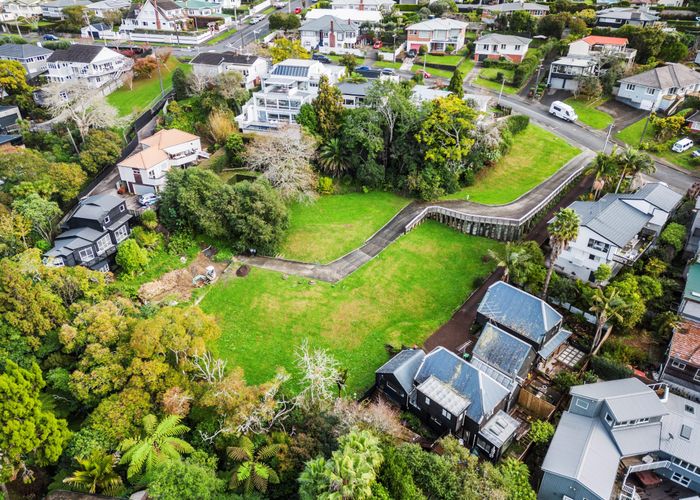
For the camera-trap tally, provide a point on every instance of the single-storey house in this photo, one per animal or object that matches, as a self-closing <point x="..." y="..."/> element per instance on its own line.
<point x="103" y="7"/>
<point x="354" y="94"/>
<point x="497" y="46"/>
<point x="682" y="367"/>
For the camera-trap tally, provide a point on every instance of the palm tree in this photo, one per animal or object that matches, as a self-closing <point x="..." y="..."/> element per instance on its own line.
<point x="562" y="230"/>
<point x="510" y="259"/>
<point x="636" y="162"/>
<point x="604" y="167"/>
<point x="331" y="157"/>
<point x="160" y="442"/>
<point x="252" y="472"/>
<point x="606" y="305"/>
<point x="97" y="474"/>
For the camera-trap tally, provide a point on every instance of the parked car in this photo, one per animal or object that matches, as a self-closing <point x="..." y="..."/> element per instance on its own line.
<point x="50" y="38"/>
<point x="256" y="19"/>
<point x="682" y="145"/>
<point x="563" y="111"/>
<point x="321" y="58"/>
<point x="279" y="5"/>
<point x="297" y="10"/>
<point x="363" y="68"/>
<point x="412" y="53"/>
<point x="695" y="153"/>
<point x="424" y="74"/>
<point x="378" y="44"/>
<point x="148" y="199"/>
<point x="388" y="71"/>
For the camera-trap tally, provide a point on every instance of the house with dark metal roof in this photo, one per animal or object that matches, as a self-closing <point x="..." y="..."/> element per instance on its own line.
<point x="496" y="435"/>
<point x="354" y="94"/>
<point x="329" y="31"/>
<point x="395" y="377"/>
<point x="95" y="65"/>
<point x="91" y="234"/>
<point x="658" y="88"/>
<point x="211" y="64"/>
<point x="682" y="367"/>
<point x="53" y="9"/>
<point x="616" y="17"/>
<point x="649" y="435"/>
<point x="616" y="229"/>
<point x="32" y="57"/>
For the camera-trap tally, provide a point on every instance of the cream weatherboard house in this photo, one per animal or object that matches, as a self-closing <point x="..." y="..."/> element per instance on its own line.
<point x="658" y="88"/>
<point x="145" y="171"/>
<point x="436" y="35"/>
<point x="329" y="32"/>
<point x="497" y="46"/>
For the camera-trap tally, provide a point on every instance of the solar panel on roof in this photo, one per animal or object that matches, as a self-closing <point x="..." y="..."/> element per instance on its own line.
<point x="290" y="71"/>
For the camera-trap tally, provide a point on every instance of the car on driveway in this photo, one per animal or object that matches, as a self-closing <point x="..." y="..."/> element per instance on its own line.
<point x="321" y="58"/>
<point x="363" y="68"/>
<point x="682" y="145"/>
<point x="50" y="38"/>
<point x="256" y="19"/>
<point x="388" y="71"/>
<point x="378" y="44"/>
<point x="148" y="199"/>
<point x="412" y="53"/>
<point x="297" y="10"/>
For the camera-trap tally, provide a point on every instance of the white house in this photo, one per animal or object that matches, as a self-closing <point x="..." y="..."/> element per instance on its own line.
<point x="103" y="7"/>
<point x="616" y="229"/>
<point x="54" y="8"/>
<point x="491" y="12"/>
<point x="354" y="94"/>
<point x="200" y="8"/>
<point x="211" y="64"/>
<point x="497" y="46"/>
<point x="287" y="86"/>
<point x="330" y="32"/>
<point x="98" y="31"/>
<point x="21" y="8"/>
<point x="658" y="88"/>
<point x="32" y="57"/>
<point x="363" y="4"/>
<point x="99" y="67"/>
<point x="169" y="16"/>
<point x="354" y="15"/>
<point x="436" y="34"/>
<point x="145" y="170"/>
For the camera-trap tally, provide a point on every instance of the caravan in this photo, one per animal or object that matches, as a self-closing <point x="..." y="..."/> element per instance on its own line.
<point x="563" y="111"/>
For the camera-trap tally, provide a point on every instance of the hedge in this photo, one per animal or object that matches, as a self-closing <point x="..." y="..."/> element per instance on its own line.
<point x="518" y="123"/>
<point x="410" y="8"/>
<point x="526" y="67"/>
<point x="608" y="369"/>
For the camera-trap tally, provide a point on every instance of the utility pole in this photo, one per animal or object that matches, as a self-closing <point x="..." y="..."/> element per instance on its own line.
<point x="607" y="137"/>
<point x="646" y="124"/>
<point x="500" y="94"/>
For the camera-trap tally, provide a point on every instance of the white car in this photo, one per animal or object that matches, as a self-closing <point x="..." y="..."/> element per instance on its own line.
<point x="279" y="5"/>
<point x="256" y="19"/>
<point x="682" y="145"/>
<point x="148" y="199"/>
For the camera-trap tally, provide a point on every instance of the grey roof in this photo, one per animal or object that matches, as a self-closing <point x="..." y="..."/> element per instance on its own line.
<point x="638" y="439"/>
<point x="86" y="233"/>
<point x="482" y="391"/>
<point x="101" y="26"/>
<point x="404" y="367"/>
<point x="64" y="3"/>
<point x="69" y="241"/>
<point x="507" y="39"/>
<point x="10" y="118"/>
<point x="581" y="449"/>
<point x="611" y="218"/>
<point x="324" y="24"/>
<point x="627" y="13"/>
<point x="359" y="89"/>
<point x="506" y="381"/>
<point x="627" y="399"/>
<point x="553" y="343"/>
<point x="515" y="6"/>
<point x="97" y="206"/>
<point x="500" y="428"/>
<point x="678" y="416"/>
<point x="444" y="395"/>
<point x="695" y="116"/>
<point x="76" y="53"/>
<point x="664" y="77"/>
<point x="519" y="311"/>
<point x="22" y="50"/>
<point x="658" y="194"/>
<point x="503" y="351"/>
<point x="217" y="58"/>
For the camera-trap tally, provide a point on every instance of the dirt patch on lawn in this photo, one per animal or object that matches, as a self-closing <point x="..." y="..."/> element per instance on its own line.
<point x="177" y="285"/>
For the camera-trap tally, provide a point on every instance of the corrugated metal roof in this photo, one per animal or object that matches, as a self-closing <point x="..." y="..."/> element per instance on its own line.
<point x="324" y="24"/>
<point x="671" y="441"/>
<point x="519" y="311"/>
<point x="658" y="194"/>
<point x="97" y="206"/>
<point x="22" y="50"/>
<point x="507" y="39"/>
<point x="613" y="219"/>
<point x="505" y="380"/>
<point x="444" y="395"/>
<point x="664" y="77"/>
<point x="404" y="367"/>
<point x="637" y="440"/>
<point x="503" y="351"/>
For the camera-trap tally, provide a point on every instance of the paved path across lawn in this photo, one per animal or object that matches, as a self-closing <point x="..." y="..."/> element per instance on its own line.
<point x="342" y="267"/>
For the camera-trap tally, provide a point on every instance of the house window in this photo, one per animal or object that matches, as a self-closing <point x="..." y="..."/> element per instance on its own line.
<point x="121" y="233"/>
<point x="106" y="221"/>
<point x="644" y="420"/>
<point x="582" y="403"/>
<point x="686" y="431"/>
<point x="503" y="46"/>
<point x="86" y="254"/>
<point x="609" y="419"/>
<point x="591" y="257"/>
<point x="104" y="268"/>
<point x="427" y="400"/>
<point x="651" y="91"/>
<point x="103" y="244"/>
<point x="630" y="86"/>
<point x="56" y="262"/>
<point x="446" y="414"/>
<point x="680" y="479"/>
<point x="696" y="377"/>
<point x="517" y="47"/>
<point x="678" y="365"/>
<point x="151" y="174"/>
<point x="122" y="208"/>
<point x="690" y="409"/>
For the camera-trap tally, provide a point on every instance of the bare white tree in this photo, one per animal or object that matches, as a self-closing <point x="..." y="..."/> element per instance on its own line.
<point x="75" y="101"/>
<point x="284" y="161"/>
<point x="230" y="85"/>
<point x="209" y="369"/>
<point x="321" y="377"/>
<point x="198" y="83"/>
<point x="378" y="415"/>
<point x="271" y="409"/>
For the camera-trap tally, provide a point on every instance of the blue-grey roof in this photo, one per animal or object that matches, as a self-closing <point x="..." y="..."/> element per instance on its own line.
<point x="404" y="367"/>
<point x="658" y="194"/>
<point x="500" y="428"/>
<point x="503" y="351"/>
<point x="553" y="343"/>
<point x="292" y="67"/>
<point x="97" y="206"/>
<point x="611" y="218"/>
<point x="506" y="381"/>
<point x="482" y="391"/>
<point x="627" y="399"/>
<point x="22" y="50"/>
<point x="359" y="89"/>
<point x="324" y="24"/>
<point x="519" y="311"/>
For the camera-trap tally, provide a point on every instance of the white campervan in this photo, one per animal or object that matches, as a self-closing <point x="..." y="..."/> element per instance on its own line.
<point x="682" y="145"/>
<point x="563" y="111"/>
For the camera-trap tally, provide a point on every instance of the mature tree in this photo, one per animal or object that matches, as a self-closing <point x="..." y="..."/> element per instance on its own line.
<point x="510" y="259"/>
<point x="321" y="378"/>
<point x="589" y="88"/>
<point x="521" y="22"/>
<point x="144" y="67"/>
<point x="183" y="480"/>
<point x="67" y="180"/>
<point x="29" y="431"/>
<point x="562" y="230"/>
<point x="76" y="102"/>
<point x="551" y="25"/>
<point x="328" y="105"/>
<point x="180" y="84"/>
<point x="393" y="103"/>
<point x="307" y="118"/>
<point x="361" y="140"/>
<point x="516" y="480"/>
<point x="73" y="18"/>
<point x="108" y="417"/>
<point x="456" y="85"/>
<point x="284" y="161"/>
<point x="332" y="157"/>
<point x="14" y="230"/>
<point x="673" y="49"/>
<point x="673" y="235"/>
<point x="131" y="257"/>
<point x="96" y="474"/>
<point x="604" y="167"/>
<point x="102" y="148"/>
<point x="42" y="214"/>
<point x="647" y="40"/>
<point x="159" y="442"/>
<point x="252" y="472"/>
<point x="636" y="162"/>
<point x="13" y="78"/>
<point x="284" y="48"/>
<point x="231" y="86"/>
<point x="282" y="21"/>
<point x="605" y="304"/>
<point x="350" y="63"/>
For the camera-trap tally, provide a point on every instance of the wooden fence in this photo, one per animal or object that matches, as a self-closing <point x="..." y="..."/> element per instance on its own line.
<point x="537" y="406"/>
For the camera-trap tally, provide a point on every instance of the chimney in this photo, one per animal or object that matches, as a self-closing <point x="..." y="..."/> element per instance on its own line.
<point x="362" y="5"/>
<point x="331" y="36"/>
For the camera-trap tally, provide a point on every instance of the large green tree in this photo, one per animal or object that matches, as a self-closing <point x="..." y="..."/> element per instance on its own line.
<point x="562" y="230"/>
<point x="43" y="214"/>
<point x="329" y="108"/>
<point x="183" y="480"/>
<point x="605" y="304"/>
<point x="13" y="78"/>
<point x="102" y="148"/>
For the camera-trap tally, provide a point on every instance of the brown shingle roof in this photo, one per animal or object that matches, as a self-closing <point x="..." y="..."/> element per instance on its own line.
<point x="685" y="344"/>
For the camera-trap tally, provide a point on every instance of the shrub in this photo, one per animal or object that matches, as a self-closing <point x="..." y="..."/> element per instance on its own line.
<point x="145" y="238"/>
<point x="179" y="243"/>
<point x="221" y="126"/>
<point x="144" y="67"/>
<point x="517" y="123"/>
<point x="541" y="432"/>
<point x="131" y="257"/>
<point x="603" y="273"/>
<point x="609" y="369"/>
<point x="234" y="149"/>
<point x="149" y="220"/>
<point x="673" y="235"/>
<point x="325" y="185"/>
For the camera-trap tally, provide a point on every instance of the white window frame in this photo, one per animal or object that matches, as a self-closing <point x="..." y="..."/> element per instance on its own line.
<point x="446" y="414"/>
<point x="427" y="400"/>
<point x="680" y="479"/>
<point x="630" y="86"/>
<point x="609" y="419"/>
<point x="651" y="91"/>
<point x="107" y="219"/>
<point x="582" y="403"/>
<point x="121" y="233"/>
<point x="103" y="244"/>
<point x="85" y="251"/>
<point x="104" y="268"/>
<point x="696" y="377"/>
<point x="678" y="364"/>
<point x="122" y="208"/>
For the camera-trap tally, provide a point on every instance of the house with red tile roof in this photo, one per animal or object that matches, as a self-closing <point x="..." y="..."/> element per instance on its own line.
<point x="682" y="367"/>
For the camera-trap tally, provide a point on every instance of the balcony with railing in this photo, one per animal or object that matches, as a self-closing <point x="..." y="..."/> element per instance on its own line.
<point x="629" y="254"/>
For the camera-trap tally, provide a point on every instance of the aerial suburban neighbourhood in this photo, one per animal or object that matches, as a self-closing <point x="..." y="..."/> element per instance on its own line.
<point x="349" y="249"/>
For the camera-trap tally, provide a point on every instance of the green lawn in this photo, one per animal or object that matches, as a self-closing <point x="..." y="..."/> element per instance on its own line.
<point x="387" y="64"/>
<point x="400" y="297"/>
<point x="536" y="155"/>
<point x="490" y="84"/>
<point x="441" y="73"/>
<point x="446" y="60"/>
<point x="336" y="224"/>
<point x="221" y="36"/>
<point x="632" y="134"/>
<point x="135" y="100"/>
<point x="588" y="114"/>
<point x="336" y="59"/>
<point x="491" y="73"/>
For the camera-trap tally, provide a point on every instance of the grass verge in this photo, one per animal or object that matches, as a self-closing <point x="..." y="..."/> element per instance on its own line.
<point x="588" y="114"/>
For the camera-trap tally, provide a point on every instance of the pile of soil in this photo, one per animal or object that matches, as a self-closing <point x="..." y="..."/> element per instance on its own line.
<point x="177" y="284"/>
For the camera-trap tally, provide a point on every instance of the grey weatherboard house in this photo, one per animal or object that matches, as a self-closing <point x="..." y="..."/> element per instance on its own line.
<point x="627" y="426"/>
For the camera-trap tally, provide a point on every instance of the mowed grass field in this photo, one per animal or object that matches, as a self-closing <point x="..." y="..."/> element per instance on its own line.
<point x="536" y="155"/>
<point x="401" y="297"/>
<point x="337" y="224"/>
<point x="588" y="114"/>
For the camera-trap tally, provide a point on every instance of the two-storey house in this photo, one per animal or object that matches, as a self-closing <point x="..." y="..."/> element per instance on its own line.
<point x="619" y="438"/>
<point x="616" y="230"/>
<point x="371" y="5"/>
<point x="329" y="32"/>
<point x="211" y="64"/>
<point x="497" y="46"/>
<point x="54" y="8"/>
<point x="287" y="86"/>
<point x="359" y="17"/>
<point x="491" y="12"/>
<point x="98" y="67"/>
<point x="145" y="170"/>
<point x="616" y="17"/>
<point x="32" y="57"/>
<point x="16" y="9"/>
<point x="658" y="88"/>
<point x="104" y="7"/>
<point x="436" y="35"/>
<point x="91" y="234"/>
<point x="681" y="370"/>
<point x="168" y="16"/>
